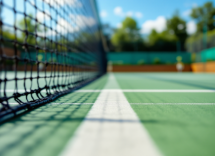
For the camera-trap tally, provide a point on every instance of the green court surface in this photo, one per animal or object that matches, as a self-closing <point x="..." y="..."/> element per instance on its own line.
<point x="177" y="129"/>
<point x="180" y="130"/>
<point x="165" y="81"/>
<point x="179" y="123"/>
<point x="46" y="130"/>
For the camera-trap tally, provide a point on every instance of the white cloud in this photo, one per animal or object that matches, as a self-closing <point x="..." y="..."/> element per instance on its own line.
<point x="75" y="24"/>
<point x="73" y="3"/>
<point x="119" y="25"/>
<point x="138" y="14"/>
<point x="118" y="11"/>
<point x="43" y="16"/>
<point x="187" y="13"/>
<point x="129" y="14"/>
<point x="191" y="27"/>
<point x="82" y="21"/>
<point x="64" y="26"/>
<point x="159" y="24"/>
<point x="103" y="14"/>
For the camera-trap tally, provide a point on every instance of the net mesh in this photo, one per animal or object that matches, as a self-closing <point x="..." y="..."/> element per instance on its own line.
<point x="48" y="48"/>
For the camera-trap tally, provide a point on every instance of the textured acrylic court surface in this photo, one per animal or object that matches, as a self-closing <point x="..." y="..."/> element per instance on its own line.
<point x="176" y="129"/>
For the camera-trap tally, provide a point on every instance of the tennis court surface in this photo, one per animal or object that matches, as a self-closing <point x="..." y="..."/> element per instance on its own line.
<point x="57" y="99"/>
<point x="121" y="114"/>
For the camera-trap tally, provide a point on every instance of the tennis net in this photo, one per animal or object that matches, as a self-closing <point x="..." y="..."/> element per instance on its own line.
<point x="48" y="48"/>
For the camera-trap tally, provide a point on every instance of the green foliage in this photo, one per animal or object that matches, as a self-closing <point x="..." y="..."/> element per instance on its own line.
<point x="204" y="15"/>
<point x="210" y="60"/>
<point x="195" y="42"/>
<point x="166" y="40"/>
<point x="157" y="61"/>
<point x="205" y="18"/>
<point x="52" y="60"/>
<point x="141" y="62"/>
<point x="31" y="27"/>
<point x="129" y="24"/>
<point x="128" y="37"/>
<point x="177" y="26"/>
<point x="7" y="34"/>
<point x="118" y="63"/>
<point x="163" y="41"/>
<point x="24" y="24"/>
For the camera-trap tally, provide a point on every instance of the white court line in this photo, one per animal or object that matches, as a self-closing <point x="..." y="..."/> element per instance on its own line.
<point x="172" y="103"/>
<point x="153" y="90"/>
<point x="136" y="90"/>
<point x="111" y="128"/>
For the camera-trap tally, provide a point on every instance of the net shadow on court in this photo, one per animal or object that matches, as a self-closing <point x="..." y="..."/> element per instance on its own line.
<point x="46" y="129"/>
<point x="50" y="125"/>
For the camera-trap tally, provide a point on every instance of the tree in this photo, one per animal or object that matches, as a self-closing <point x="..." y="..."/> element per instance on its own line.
<point x="168" y="40"/>
<point x="128" y="37"/>
<point x="177" y="26"/>
<point x="163" y="41"/>
<point x="129" y="23"/>
<point x="204" y="16"/>
<point x="31" y="28"/>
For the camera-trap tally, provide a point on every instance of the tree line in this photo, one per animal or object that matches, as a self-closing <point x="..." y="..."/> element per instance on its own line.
<point x="174" y="38"/>
<point x="126" y="38"/>
<point x="33" y="34"/>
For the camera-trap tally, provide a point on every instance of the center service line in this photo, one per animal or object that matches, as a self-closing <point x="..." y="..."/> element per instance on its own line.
<point x="121" y="137"/>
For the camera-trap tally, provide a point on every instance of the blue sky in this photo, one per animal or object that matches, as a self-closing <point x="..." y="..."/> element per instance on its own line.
<point x="148" y="13"/>
<point x="77" y="18"/>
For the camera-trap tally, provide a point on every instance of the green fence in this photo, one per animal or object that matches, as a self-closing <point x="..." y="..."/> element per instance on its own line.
<point x="208" y="55"/>
<point x="75" y="58"/>
<point x="135" y="58"/>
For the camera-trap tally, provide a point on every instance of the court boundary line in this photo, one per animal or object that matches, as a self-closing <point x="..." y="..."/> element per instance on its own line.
<point x="153" y="90"/>
<point x="173" y="104"/>
<point x="103" y="110"/>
